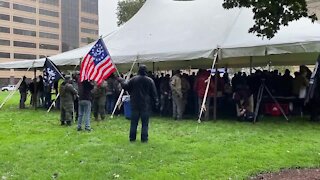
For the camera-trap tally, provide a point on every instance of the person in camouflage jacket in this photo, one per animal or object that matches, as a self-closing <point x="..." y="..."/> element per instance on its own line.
<point x="67" y="96"/>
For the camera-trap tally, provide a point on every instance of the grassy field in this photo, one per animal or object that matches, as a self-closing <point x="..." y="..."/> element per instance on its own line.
<point x="35" y="146"/>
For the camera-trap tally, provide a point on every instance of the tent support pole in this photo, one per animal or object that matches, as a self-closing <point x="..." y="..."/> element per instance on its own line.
<point x="203" y="107"/>
<point x="122" y="91"/>
<point x="215" y="94"/>
<point x="153" y="63"/>
<point x="250" y="64"/>
<point x="34" y="100"/>
<point x="14" y="91"/>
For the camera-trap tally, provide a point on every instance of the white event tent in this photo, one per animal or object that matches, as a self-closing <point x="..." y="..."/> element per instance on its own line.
<point x="168" y="34"/>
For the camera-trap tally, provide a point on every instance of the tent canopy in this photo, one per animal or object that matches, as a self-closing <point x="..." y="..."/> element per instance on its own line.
<point x="171" y="34"/>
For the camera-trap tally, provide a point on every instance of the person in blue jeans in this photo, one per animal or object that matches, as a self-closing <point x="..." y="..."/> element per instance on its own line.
<point x="85" y="97"/>
<point x="143" y="94"/>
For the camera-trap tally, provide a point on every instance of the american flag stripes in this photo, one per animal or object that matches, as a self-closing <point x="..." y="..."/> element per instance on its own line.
<point x="97" y="64"/>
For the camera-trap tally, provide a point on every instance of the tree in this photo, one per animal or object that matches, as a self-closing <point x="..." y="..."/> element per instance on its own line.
<point x="128" y="8"/>
<point x="269" y="15"/>
<point x="90" y="40"/>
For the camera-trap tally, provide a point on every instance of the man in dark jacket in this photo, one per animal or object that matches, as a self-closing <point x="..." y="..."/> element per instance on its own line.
<point x="143" y="93"/>
<point x="23" y="93"/>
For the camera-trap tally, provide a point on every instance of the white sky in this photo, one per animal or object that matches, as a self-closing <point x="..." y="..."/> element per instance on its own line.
<point x="107" y="16"/>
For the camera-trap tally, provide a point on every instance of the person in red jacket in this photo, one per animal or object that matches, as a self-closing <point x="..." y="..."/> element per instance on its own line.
<point x="200" y="86"/>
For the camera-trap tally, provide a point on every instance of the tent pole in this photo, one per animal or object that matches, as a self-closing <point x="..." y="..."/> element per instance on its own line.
<point x="153" y="67"/>
<point x="122" y="91"/>
<point x="34" y="102"/>
<point x="250" y="64"/>
<point x="203" y="107"/>
<point x="215" y="94"/>
<point x="14" y="91"/>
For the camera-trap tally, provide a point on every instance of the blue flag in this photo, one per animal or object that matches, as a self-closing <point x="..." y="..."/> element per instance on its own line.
<point x="51" y="73"/>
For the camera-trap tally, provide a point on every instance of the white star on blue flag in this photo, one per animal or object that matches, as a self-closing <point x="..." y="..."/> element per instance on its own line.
<point x="98" y="52"/>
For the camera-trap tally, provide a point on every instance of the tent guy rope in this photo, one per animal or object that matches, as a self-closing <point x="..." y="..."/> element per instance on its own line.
<point x="15" y="89"/>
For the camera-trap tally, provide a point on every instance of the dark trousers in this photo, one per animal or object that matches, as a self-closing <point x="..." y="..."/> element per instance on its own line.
<point x="110" y="103"/>
<point x="135" y="116"/>
<point x="23" y="97"/>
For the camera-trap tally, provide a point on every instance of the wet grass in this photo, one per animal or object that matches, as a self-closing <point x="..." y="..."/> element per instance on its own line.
<point x="35" y="146"/>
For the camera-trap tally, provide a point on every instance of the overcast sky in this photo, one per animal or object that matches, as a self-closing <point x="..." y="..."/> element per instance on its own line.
<point x="107" y="16"/>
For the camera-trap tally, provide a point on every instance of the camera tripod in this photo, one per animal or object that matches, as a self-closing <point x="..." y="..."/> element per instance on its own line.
<point x="259" y="98"/>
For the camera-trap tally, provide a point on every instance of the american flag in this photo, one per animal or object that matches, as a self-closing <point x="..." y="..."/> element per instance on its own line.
<point x="97" y="64"/>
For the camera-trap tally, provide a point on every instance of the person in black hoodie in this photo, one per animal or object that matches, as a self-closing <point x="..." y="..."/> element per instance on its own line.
<point x="143" y="94"/>
<point x="85" y="98"/>
<point x="23" y="93"/>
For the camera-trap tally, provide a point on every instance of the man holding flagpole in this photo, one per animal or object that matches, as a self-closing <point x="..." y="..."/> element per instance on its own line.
<point x="51" y="74"/>
<point x="96" y="66"/>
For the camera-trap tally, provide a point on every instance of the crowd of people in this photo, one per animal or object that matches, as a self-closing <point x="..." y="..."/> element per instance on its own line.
<point x="180" y="95"/>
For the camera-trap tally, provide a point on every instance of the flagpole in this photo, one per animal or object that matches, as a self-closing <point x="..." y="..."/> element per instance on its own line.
<point x="54" y="102"/>
<point x="15" y="89"/>
<point x="122" y="91"/>
<point x="104" y="45"/>
<point x="57" y="70"/>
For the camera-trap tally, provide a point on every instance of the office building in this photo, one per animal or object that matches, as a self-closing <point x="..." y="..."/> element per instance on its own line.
<point x="314" y="6"/>
<point x="31" y="29"/>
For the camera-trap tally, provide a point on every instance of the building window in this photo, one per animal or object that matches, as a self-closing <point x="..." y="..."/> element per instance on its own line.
<point x="4" y="42"/>
<point x="24" y="44"/>
<point x="89" y="31"/>
<point x="84" y="40"/>
<point x="24" y="32"/>
<point x="24" y="8"/>
<point x="24" y="56"/>
<point x="49" y="46"/>
<point x="4" y="30"/>
<point x="48" y="13"/>
<point x="24" y="20"/>
<point x="4" y="55"/>
<point x="90" y="21"/>
<point x="48" y="24"/>
<point x="48" y="35"/>
<point x="51" y="2"/>
<point x="87" y="40"/>
<point x="89" y="6"/>
<point x="4" y="17"/>
<point x="4" y="4"/>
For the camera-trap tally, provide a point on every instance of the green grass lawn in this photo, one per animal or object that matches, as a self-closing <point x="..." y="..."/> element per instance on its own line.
<point x="35" y="146"/>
